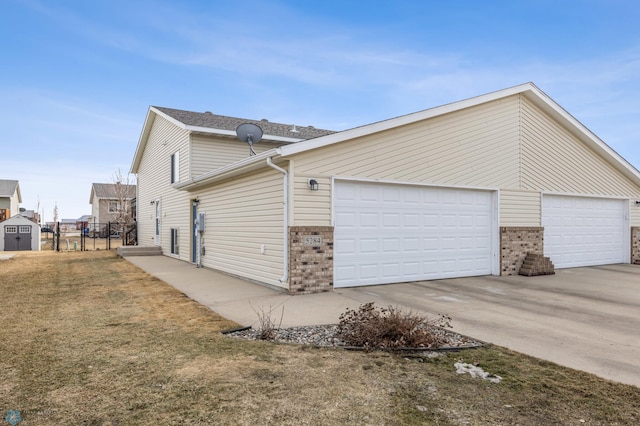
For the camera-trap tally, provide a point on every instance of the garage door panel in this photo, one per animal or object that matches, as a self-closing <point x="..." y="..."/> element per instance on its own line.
<point x="420" y="233"/>
<point x="580" y="231"/>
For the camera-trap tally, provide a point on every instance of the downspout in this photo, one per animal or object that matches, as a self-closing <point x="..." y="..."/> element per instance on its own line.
<point x="285" y="260"/>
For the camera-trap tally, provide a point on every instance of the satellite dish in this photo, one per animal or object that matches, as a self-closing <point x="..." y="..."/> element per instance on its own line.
<point x="249" y="133"/>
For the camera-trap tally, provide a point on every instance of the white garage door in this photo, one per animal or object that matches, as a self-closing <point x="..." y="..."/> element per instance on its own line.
<point x="580" y="231"/>
<point x="387" y="233"/>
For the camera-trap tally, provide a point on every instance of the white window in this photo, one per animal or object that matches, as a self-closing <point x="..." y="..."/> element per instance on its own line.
<point x="175" y="167"/>
<point x="11" y="229"/>
<point x="175" y="243"/>
<point x="114" y="206"/>
<point x="24" y="229"/>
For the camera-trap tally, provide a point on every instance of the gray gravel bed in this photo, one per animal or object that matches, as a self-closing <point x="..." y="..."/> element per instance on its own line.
<point x="325" y="335"/>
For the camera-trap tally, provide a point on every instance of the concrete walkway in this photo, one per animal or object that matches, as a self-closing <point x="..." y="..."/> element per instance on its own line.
<point x="240" y="300"/>
<point x="583" y="318"/>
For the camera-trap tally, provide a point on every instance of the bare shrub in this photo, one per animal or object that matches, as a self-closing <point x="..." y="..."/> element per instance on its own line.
<point x="391" y="328"/>
<point x="268" y="329"/>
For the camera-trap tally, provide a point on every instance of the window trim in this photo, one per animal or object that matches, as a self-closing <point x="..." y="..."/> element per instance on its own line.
<point x="175" y="167"/>
<point x="118" y="207"/>
<point x="174" y="244"/>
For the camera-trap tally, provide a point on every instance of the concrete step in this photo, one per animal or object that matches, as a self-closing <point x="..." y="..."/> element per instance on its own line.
<point x="125" y="251"/>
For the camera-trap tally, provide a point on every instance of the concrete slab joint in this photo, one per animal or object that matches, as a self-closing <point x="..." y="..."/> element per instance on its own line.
<point x="515" y="243"/>
<point x="310" y="259"/>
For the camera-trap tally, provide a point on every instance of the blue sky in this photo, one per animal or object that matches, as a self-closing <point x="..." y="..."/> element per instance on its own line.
<point x="77" y="77"/>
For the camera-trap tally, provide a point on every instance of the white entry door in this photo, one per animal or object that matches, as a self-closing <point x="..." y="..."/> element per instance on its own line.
<point x="582" y="231"/>
<point x="388" y="233"/>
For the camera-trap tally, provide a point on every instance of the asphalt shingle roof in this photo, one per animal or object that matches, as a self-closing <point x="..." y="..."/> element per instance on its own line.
<point x="213" y="121"/>
<point x="7" y="187"/>
<point x="108" y="190"/>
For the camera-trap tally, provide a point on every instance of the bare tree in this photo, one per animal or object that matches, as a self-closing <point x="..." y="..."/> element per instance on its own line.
<point x="125" y="191"/>
<point x="55" y="214"/>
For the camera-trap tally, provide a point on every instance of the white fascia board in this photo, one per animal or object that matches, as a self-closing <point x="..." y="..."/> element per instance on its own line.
<point x="400" y="121"/>
<point x="254" y="162"/>
<point x="142" y="140"/>
<point x="530" y="90"/>
<point x="548" y="105"/>
<point x="168" y="118"/>
<point x="213" y="131"/>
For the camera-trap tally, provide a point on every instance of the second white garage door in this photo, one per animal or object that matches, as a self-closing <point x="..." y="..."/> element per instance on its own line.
<point x="387" y="233"/>
<point x="581" y="231"/>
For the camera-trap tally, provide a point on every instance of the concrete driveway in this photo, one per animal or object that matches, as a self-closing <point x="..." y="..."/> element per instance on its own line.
<point x="583" y="318"/>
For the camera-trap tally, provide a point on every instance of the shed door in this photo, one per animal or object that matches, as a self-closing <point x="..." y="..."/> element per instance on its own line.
<point x="17" y="237"/>
<point x="581" y="231"/>
<point x="386" y="233"/>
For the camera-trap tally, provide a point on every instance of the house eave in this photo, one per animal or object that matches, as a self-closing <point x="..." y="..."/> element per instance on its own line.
<point x="142" y="140"/>
<point x="586" y="136"/>
<point x="148" y="124"/>
<point x="238" y="168"/>
<point x="529" y="90"/>
<point x="232" y="133"/>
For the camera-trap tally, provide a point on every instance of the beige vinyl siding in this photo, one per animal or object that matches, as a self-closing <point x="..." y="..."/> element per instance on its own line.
<point x="210" y="153"/>
<point x="520" y="208"/>
<point x="242" y="214"/>
<point x="554" y="160"/>
<point x="95" y="210"/>
<point x="154" y="174"/>
<point x="634" y="213"/>
<point x="475" y="147"/>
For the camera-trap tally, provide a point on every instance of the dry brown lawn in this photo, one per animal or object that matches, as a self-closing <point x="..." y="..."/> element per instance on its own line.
<point x="89" y="339"/>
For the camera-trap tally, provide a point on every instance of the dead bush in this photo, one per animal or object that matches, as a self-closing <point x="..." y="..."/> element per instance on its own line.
<point x="268" y="328"/>
<point x="371" y="327"/>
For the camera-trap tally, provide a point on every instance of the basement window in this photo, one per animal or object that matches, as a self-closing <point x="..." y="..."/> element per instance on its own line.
<point x="175" y="243"/>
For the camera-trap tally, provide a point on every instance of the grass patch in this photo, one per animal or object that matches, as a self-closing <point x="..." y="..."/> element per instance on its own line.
<point x="88" y="338"/>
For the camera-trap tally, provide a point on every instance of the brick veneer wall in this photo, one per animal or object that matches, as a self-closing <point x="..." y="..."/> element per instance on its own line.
<point x="515" y="243"/>
<point x="310" y="266"/>
<point x="635" y="245"/>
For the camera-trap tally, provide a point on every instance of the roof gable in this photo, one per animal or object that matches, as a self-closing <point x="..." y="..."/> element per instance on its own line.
<point x="110" y="191"/>
<point x="529" y="90"/>
<point x="19" y="220"/>
<point x="8" y="188"/>
<point x="209" y="123"/>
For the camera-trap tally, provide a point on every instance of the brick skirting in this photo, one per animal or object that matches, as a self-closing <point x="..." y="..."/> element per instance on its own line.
<point x="635" y="245"/>
<point x="310" y="259"/>
<point x="515" y="243"/>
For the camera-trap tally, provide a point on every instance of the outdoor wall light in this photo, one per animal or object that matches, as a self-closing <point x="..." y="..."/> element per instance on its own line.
<point x="153" y="202"/>
<point x="312" y="184"/>
<point x="638" y="203"/>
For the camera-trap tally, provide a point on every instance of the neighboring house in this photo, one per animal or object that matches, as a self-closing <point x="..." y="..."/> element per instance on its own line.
<point x="10" y="198"/>
<point x="32" y="215"/>
<point x="111" y="202"/>
<point x="69" y="226"/>
<point x="465" y="189"/>
<point x="19" y="233"/>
